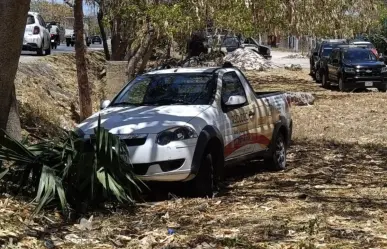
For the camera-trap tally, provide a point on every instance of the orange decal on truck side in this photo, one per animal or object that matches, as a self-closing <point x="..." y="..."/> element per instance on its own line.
<point x="244" y="140"/>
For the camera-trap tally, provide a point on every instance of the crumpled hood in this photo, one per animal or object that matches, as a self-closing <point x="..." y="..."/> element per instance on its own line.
<point x="143" y="119"/>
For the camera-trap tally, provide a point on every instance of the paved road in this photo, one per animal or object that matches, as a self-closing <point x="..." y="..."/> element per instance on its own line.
<point x="27" y="56"/>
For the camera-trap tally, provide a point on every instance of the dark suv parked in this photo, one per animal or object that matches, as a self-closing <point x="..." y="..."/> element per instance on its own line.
<point x="96" y="39"/>
<point x="354" y="68"/>
<point x="321" y="51"/>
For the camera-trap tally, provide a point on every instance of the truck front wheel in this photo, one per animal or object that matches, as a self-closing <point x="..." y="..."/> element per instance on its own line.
<point x="383" y="88"/>
<point x="277" y="158"/>
<point x="318" y="76"/>
<point x="203" y="183"/>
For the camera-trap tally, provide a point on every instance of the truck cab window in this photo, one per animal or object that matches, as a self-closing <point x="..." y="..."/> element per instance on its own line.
<point x="231" y="86"/>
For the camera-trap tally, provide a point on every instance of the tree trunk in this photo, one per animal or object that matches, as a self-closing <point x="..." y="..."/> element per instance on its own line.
<point x="169" y="49"/>
<point x="13" y="14"/>
<point x="117" y="44"/>
<point x="146" y="57"/>
<point x="85" y="104"/>
<point x="103" y="33"/>
<point x="132" y="51"/>
<point x="133" y="61"/>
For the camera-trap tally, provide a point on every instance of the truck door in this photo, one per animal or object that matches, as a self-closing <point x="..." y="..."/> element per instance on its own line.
<point x="333" y="65"/>
<point x="239" y="121"/>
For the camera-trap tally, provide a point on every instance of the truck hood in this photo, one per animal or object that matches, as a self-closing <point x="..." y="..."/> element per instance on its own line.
<point x="361" y="64"/>
<point x="143" y="119"/>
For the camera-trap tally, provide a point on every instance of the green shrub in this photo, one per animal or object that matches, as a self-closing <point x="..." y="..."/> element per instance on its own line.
<point x="72" y="170"/>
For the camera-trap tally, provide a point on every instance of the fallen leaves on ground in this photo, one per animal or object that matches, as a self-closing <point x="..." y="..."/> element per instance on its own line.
<point x="332" y="195"/>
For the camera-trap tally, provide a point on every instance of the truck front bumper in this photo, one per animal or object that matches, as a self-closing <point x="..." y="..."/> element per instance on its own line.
<point x="364" y="82"/>
<point x="171" y="162"/>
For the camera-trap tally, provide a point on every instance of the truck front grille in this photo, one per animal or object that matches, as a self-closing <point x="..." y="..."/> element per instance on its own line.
<point x="368" y="72"/>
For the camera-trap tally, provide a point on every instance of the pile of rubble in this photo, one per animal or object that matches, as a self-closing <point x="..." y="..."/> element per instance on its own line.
<point x="293" y="67"/>
<point x="247" y="59"/>
<point x="300" y="98"/>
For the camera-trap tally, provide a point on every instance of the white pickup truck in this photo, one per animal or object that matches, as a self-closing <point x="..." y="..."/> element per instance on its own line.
<point x="188" y="124"/>
<point x="70" y="38"/>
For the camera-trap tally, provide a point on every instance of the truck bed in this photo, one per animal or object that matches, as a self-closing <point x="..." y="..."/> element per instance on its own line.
<point x="267" y="94"/>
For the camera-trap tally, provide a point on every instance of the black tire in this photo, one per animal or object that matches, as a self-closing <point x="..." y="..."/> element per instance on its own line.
<point x="382" y="89"/>
<point x="203" y="183"/>
<point x="324" y="81"/>
<point x="313" y="75"/>
<point x="341" y="85"/>
<point x="277" y="158"/>
<point x="318" y="77"/>
<point x="39" y="51"/>
<point x="47" y="51"/>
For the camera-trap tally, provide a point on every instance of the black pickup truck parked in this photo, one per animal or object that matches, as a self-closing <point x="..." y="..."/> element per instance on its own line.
<point x="354" y="68"/>
<point x="322" y="49"/>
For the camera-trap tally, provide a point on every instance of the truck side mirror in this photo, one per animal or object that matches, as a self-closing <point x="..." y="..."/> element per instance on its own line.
<point x="235" y="100"/>
<point x="104" y="104"/>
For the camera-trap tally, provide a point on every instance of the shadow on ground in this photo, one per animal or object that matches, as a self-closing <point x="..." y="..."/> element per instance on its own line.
<point x="331" y="194"/>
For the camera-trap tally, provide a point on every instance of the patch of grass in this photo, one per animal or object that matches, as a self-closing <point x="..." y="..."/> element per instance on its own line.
<point x="47" y="91"/>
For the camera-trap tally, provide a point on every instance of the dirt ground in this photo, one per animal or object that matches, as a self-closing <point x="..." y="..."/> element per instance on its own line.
<point x="333" y="193"/>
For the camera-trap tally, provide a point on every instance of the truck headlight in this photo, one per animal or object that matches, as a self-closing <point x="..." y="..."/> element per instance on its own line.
<point x="384" y="69"/>
<point x="175" y="134"/>
<point x="349" y="70"/>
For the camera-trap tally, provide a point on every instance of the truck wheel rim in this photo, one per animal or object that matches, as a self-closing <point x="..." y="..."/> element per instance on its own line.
<point x="280" y="152"/>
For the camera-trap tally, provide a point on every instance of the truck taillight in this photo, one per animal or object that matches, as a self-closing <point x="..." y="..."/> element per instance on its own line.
<point x="36" y="30"/>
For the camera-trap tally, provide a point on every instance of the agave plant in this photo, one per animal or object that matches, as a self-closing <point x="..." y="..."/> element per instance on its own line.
<point x="72" y="170"/>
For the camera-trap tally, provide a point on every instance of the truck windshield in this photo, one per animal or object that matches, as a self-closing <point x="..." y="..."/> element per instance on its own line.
<point x="326" y="52"/>
<point x="168" y="89"/>
<point x="359" y="55"/>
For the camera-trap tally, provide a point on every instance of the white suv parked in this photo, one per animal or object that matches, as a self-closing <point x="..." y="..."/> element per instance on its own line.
<point x="36" y="36"/>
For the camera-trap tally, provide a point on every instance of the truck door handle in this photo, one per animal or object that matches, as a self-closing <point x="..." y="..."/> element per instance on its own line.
<point x="251" y="113"/>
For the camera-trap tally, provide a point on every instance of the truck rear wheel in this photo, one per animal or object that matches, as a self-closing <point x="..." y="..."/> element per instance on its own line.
<point x="39" y="51"/>
<point x="48" y="50"/>
<point x="324" y="81"/>
<point x="277" y="158"/>
<point x="203" y="183"/>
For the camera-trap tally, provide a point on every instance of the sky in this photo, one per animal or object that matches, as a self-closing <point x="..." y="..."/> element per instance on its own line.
<point x="87" y="9"/>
